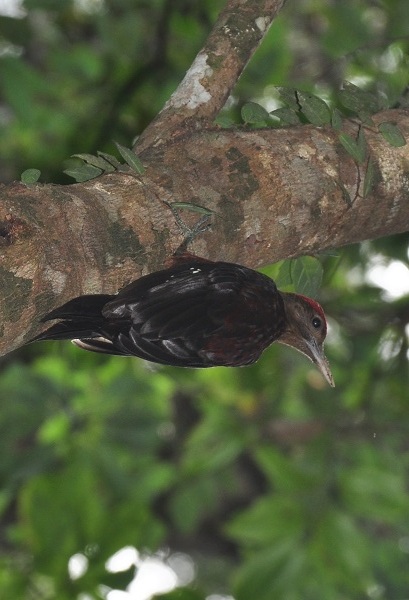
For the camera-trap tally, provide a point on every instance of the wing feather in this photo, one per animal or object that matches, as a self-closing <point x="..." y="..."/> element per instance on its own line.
<point x="174" y="314"/>
<point x="192" y="315"/>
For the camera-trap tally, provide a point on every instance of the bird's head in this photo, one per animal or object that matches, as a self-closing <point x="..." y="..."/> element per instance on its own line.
<point x="306" y="330"/>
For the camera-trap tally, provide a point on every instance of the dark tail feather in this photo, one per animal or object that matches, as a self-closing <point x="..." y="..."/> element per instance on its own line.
<point x="68" y="330"/>
<point x="81" y="308"/>
<point x="79" y="318"/>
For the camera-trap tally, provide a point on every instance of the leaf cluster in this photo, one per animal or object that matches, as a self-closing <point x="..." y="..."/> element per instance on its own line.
<point x="88" y="167"/>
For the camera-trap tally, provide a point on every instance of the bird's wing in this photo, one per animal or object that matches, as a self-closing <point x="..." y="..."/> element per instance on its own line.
<point x="185" y="315"/>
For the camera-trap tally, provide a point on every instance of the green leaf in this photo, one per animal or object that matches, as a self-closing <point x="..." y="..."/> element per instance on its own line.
<point x="336" y="119"/>
<point x="190" y="502"/>
<point x="286" y="115"/>
<point x="224" y="121"/>
<point x="110" y="159"/>
<point x="345" y="194"/>
<point x="131" y="159"/>
<point x="392" y="134"/>
<point x="252" y="112"/>
<point x="373" y="491"/>
<point x="96" y="161"/>
<point x="369" y="178"/>
<point x="55" y="428"/>
<point x="314" y="108"/>
<point x="366" y="119"/>
<point x="306" y="275"/>
<point x="357" y="100"/>
<point x="285" y="475"/>
<point x="337" y="532"/>
<point x="289" y="97"/>
<point x="264" y="523"/>
<point x="269" y="574"/>
<point x="283" y="279"/>
<point x="30" y="175"/>
<point x="353" y="148"/>
<point x="192" y="207"/>
<point x="303" y="275"/>
<point x="81" y="171"/>
<point x="362" y="145"/>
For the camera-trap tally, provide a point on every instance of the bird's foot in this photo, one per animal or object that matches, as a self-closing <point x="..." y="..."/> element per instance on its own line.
<point x="190" y="233"/>
<point x="201" y="226"/>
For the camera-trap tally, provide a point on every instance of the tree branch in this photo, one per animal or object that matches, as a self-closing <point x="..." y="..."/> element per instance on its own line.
<point x="208" y="83"/>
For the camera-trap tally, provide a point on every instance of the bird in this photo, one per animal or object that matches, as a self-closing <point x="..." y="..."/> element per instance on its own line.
<point x="195" y="313"/>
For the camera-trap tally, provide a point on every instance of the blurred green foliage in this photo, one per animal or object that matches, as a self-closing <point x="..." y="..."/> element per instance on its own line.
<point x="277" y="486"/>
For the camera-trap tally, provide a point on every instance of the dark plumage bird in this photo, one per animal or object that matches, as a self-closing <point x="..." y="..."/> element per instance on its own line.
<point x="197" y="313"/>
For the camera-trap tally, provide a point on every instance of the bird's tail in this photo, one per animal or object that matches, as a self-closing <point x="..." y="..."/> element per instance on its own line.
<point x="78" y="318"/>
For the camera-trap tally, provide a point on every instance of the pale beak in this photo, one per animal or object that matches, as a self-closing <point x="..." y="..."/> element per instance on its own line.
<point x="316" y="354"/>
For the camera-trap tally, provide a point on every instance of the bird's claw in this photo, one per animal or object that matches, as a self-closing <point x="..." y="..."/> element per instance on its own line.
<point x="201" y="226"/>
<point x="190" y="233"/>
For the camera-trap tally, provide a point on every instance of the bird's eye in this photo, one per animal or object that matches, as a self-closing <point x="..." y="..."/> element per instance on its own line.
<point x="316" y="322"/>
